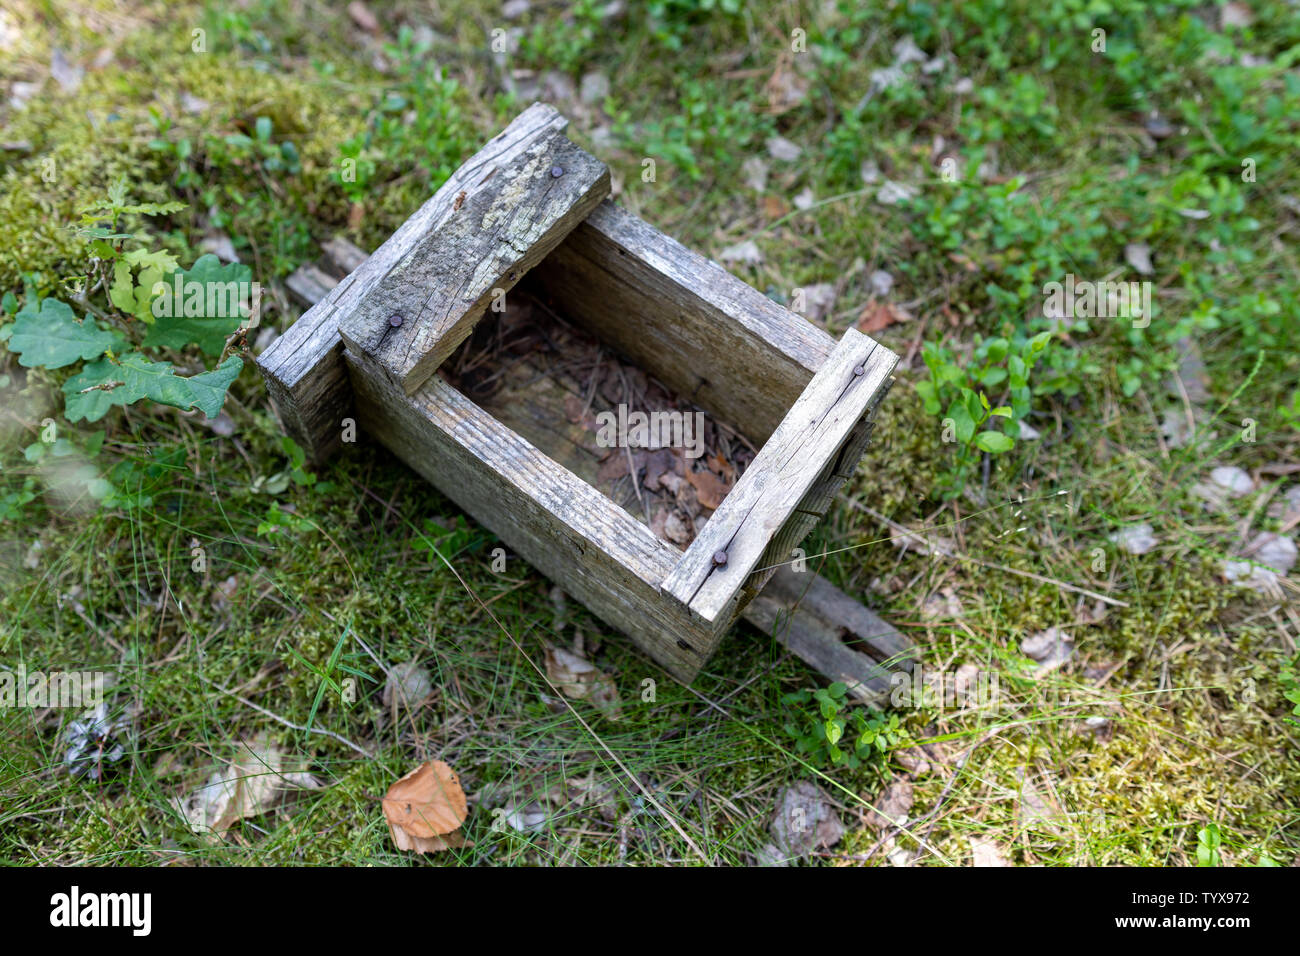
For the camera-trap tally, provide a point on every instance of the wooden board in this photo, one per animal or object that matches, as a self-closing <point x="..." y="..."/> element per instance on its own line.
<point x="715" y="568"/>
<point x="304" y="369"/>
<point x="832" y="633"/>
<point x="500" y="226"/>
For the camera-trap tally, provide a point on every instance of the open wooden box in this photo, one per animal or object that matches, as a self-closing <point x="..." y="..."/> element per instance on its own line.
<point x="531" y="208"/>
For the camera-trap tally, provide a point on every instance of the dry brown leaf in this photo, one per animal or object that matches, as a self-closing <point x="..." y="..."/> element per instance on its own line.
<point x="427" y="802"/>
<point x="774" y="207"/>
<point x="579" y="679"/>
<point x="247" y="787"/>
<point x="878" y="315"/>
<point x="657" y="464"/>
<point x="709" y="488"/>
<point x="724" y="469"/>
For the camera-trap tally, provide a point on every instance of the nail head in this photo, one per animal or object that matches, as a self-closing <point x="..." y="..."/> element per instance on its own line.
<point x="395" y="320"/>
<point x="859" y="369"/>
<point x="557" y="171"/>
<point x="719" y="558"/>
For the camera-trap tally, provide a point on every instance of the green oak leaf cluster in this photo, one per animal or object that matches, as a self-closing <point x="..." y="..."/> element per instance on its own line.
<point x="153" y="305"/>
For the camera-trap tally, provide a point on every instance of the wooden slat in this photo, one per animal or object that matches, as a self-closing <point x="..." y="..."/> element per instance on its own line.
<point x="304" y="368"/>
<point x="780" y="476"/>
<point x="558" y="523"/>
<point x="700" y="330"/>
<point x="503" y="224"/>
<point x="832" y="633"/>
<point x="309" y="284"/>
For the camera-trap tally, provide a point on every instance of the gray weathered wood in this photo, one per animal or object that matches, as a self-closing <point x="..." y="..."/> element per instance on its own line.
<point x="813" y="506"/>
<point x="558" y="523"/>
<point x="831" y="632"/>
<point x="304" y="369"/>
<point x="309" y="284"/>
<point x="685" y="319"/>
<point x="780" y="476"/>
<point x="503" y="225"/>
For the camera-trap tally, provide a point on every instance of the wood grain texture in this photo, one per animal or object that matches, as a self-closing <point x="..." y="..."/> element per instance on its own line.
<point x="558" y="523"/>
<point x="832" y="633"/>
<point x="814" y="505"/>
<point x="309" y="284"/>
<point x="304" y="368"/>
<point x="680" y="316"/>
<point x="502" y="225"/>
<point x="785" y="470"/>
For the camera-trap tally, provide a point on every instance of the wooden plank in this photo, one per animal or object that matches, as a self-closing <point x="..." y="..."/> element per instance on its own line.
<point x="341" y="256"/>
<point x="813" y="506"/>
<point x="309" y="284"/>
<point x="832" y="633"/>
<point x="558" y="523"/>
<point x="501" y="226"/>
<point x="683" y="318"/>
<point x="710" y="577"/>
<point x="861" y="628"/>
<point x="304" y="368"/>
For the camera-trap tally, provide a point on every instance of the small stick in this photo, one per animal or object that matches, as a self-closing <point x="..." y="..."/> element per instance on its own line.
<point x="292" y="726"/>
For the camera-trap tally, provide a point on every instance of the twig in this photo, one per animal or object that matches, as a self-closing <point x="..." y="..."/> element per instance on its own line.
<point x="292" y="726"/>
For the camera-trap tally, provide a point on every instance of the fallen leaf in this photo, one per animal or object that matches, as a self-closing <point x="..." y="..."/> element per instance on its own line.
<point x="891" y="807"/>
<point x="774" y="206"/>
<point x="780" y="148"/>
<point x="877" y="315"/>
<point x="892" y="193"/>
<point x="1235" y="481"/>
<point x="362" y="16"/>
<point x="746" y="252"/>
<point x="408" y="684"/>
<point x="1044" y="644"/>
<point x="426" y="808"/>
<point x="1235" y="14"/>
<point x="804" y="820"/>
<point x="987" y="853"/>
<point x="723" y="468"/>
<point x="677" y="529"/>
<point x="67" y="75"/>
<point x="247" y="787"/>
<point x="818" y="300"/>
<point x="709" y="488"/>
<point x="579" y="679"/>
<point x="1138" y="255"/>
<point x="1135" y="539"/>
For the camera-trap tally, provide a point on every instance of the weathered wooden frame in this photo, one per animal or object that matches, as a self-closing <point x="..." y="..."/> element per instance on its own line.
<point x="706" y="334"/>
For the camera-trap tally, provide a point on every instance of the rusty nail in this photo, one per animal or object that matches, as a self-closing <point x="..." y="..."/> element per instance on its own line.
<point x="859" y="369"/>
<point x="719" y="558"/>
<point x="557" y="171"/>
<point x="395" y="320"/>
